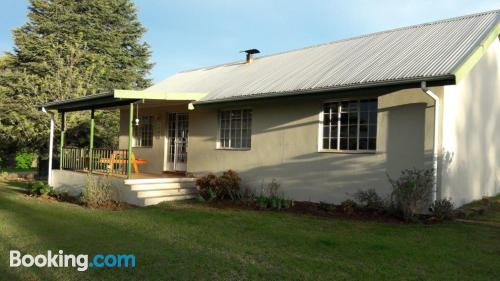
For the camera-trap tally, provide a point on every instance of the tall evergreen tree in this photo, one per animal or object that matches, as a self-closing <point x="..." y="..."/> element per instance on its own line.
<point x="67" y="49"/>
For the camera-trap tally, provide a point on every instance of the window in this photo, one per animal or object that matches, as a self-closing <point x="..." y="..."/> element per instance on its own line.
<point x="235" y="129"/>
<point x="144" y="132"/>
<point x="350" y="125"/>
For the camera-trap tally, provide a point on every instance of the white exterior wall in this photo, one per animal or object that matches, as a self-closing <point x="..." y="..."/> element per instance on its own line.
<point x="154" y="155"/>
<point x="285" y="147"/>
<point x="471" y="132"/>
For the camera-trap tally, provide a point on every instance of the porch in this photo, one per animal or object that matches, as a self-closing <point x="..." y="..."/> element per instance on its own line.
<point x="131" y="167"/>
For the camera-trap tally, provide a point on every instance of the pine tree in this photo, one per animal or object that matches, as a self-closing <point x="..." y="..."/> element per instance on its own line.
<point x="67" y="49"/>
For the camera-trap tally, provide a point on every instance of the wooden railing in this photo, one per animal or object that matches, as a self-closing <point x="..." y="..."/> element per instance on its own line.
<point x="99" y="160"/>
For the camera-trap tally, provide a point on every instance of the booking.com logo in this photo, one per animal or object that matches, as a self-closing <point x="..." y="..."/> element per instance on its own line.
<point x="80" y="262"/>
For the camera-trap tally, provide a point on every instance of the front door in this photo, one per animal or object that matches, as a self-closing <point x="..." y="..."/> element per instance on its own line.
<point x="177" y="138"/>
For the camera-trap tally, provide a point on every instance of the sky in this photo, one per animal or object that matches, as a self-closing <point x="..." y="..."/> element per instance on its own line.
<point x="188" y="34"/>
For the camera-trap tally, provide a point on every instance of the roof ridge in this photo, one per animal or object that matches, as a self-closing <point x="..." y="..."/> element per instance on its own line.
<point x="345" y="39"/>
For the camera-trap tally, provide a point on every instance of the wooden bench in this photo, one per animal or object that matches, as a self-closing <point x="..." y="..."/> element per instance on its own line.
<point x="117" y="158"/>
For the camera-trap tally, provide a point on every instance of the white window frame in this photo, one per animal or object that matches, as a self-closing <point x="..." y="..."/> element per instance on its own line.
<point x="219" y="145"/>
<point x="320" y="130"/>
<point x="137" y="137"/>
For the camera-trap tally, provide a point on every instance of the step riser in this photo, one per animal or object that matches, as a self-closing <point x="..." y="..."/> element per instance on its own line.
<point x="161" y="186"/>
<point x="166" y="192"/>
<point x="156" y="200"/>
<point x="158" y="180"/>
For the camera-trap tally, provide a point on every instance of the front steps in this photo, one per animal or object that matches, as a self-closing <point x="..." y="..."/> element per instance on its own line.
<point x="146" y="192"/>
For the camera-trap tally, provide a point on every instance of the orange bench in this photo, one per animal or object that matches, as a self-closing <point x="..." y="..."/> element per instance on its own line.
<point x="116" y="159"/>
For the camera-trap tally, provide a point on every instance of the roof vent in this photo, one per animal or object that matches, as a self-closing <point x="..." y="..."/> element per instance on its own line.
<point x="250" y="54"/>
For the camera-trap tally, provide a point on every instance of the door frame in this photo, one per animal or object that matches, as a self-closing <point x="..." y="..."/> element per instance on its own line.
<point x="166" y="163"/>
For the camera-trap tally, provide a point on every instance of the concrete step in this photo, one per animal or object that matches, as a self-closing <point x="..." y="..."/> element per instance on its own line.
<point x="158" y="180"/>
<point x="157" y="200"/>
<point x="161" y="186"/>
<point x="165" y="192"/>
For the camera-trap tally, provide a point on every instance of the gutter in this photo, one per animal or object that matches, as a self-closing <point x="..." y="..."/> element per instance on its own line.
<point x="448" y="79"/>
<point x="423" y="87"/>
<point x="51" y="144"/>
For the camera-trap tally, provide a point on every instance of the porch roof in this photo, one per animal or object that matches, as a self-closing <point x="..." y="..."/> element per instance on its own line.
<point x="116" y="98"/>
<point x="96" y="101"/>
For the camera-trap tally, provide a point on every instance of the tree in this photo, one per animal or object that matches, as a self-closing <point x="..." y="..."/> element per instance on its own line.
<point x="68" y="49"/>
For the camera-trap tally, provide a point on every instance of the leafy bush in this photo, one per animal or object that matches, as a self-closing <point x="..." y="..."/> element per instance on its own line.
<point x="40" y="188"/>
<point x="207" y="186"/>
<point x="411" y="191"/>
<point x="348" y="206"/>
<point x="98" y="193"/>
<point x="442" y="209"/>
<point x="212" y="187"/>
<point x="24" y="160"/>
<point x="272" y="198"/>
<point x="370" y="200"/>
<point x="229" y="185"/>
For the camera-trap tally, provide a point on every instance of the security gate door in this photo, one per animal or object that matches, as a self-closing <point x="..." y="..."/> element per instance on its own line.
<point x="177" y="141"/>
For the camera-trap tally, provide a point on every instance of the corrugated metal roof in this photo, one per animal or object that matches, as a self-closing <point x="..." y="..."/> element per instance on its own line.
<point x="424" y="51"/>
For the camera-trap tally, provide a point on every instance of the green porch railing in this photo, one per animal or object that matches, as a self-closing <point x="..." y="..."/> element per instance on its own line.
<point x="102" y="161"/>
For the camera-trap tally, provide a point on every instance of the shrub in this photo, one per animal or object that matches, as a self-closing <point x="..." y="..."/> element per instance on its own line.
<point x="348" y="206"/>
<point x="370" y="199"/>
<point x="212" y="187"/>
<point x="98" y="193"/>
<point x="411" y="191"/>
<point x="442" y="209"/>
<point x="207" y="186"/>
<point x="229" y="185"/>
<point x="24" y="160"/>
<point x="274" y="199"/>
<point x="40" y="188"/>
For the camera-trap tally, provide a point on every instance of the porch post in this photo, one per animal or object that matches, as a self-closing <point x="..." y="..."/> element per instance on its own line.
<point x="51" y="148"/>
<point x="91" y="146"/>
<point x="130" y="134"/>
<point x="63" y="132"/>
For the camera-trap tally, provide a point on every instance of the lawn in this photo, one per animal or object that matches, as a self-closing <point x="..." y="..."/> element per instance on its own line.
<point x="188" y="241"/>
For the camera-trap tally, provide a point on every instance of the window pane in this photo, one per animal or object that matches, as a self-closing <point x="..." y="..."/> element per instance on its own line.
<point x="363" y="131"/>
<point x="343" y="118"/>
<point x="333" y="143"/>
<point x="334" y="132"/>
<point x="372" y="132"/>
<point x="326" y="143"/>
<point x="326" y="119"/>
<point x="353" y="118"/>
<point x="353" y="143"/>
<point x="363" y="118"/>
<point x="326" y="132"/>
<point x="343" y="143"/>
<point x="343" y="131"/>
<point x="353" y="131"/>
<point x="363" y="143"/>
<point x="373" y="117"/>
<point x="372" y="144"/>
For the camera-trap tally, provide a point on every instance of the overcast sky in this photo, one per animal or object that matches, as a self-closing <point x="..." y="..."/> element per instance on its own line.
<point x="188" y="34"/>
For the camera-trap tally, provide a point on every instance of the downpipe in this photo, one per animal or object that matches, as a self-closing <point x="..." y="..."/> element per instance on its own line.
<point x="423" y="87"/>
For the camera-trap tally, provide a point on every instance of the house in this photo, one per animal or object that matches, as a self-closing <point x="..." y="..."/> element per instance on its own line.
<point x="324" y="121"/>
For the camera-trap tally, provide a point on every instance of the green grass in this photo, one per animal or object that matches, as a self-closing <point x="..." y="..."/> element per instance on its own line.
<point x="187" y="241"/>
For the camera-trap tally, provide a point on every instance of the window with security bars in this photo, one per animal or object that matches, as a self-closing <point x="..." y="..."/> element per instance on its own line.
<point x="350" y="125"/>
<point x="144" y="132"/>
<point x="235" y="129"/>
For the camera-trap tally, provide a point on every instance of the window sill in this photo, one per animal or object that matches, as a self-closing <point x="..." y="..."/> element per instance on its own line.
<point x="348" y="151"/>
<point x="142" y="147"/>
<point x="234" y="149"/>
